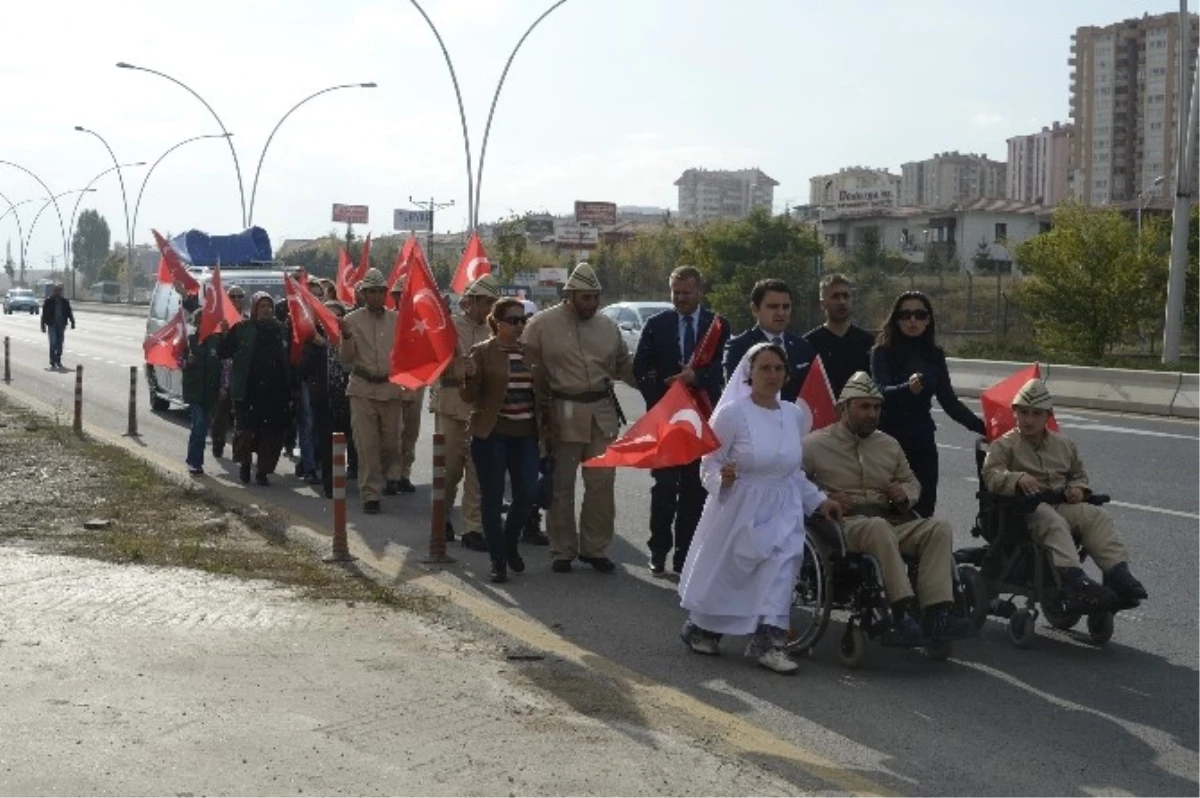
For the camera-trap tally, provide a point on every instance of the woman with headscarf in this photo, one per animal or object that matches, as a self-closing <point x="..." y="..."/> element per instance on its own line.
<point x="742" y="565"/>
<point x="910" y="368"/>
<point x="259" y="386"/>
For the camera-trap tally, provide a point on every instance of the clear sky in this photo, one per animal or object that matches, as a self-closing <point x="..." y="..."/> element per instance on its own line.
<point x="608" y="99"/>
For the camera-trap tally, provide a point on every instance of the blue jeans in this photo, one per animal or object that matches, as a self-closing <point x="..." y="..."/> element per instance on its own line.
<point x="495" y="456"/>
<point x="304" y="430"/>
<point x="57" y="334"/>
<point x="201" y="415"/>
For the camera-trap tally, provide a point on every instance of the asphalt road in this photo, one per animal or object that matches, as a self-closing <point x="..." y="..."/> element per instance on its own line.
<point x="1062" y="717"/>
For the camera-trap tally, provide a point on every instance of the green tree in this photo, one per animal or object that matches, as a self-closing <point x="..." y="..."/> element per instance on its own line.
<point x="112" y="268"/>
<point x="734" y="255"/>
<point x="1088" y="280"/>
<point x="90" y="244"/>
<point x="10" y="268"/>
<point x="869" y="253"/>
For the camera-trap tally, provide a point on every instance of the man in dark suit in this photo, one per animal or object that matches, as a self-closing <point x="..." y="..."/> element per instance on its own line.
<point x="663" y="353"/>
<point x="771" y="304"/>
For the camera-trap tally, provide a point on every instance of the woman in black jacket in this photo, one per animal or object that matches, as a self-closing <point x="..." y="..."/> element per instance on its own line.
<point x="910" y="369"/>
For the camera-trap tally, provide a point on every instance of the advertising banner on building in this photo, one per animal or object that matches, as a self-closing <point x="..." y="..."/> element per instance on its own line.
<point x="596" y="213"/>
<point x="350" y="214"/>
<point x="867" y="197"/>
<point x="403" y="219"/>
<point x="539" y="226"/>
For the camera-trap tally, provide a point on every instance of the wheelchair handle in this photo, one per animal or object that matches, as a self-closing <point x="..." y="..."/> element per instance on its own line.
<point x="1027" y="504"/>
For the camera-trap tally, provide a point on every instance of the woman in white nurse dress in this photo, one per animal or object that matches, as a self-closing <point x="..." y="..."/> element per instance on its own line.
<point x="742" y="564"/>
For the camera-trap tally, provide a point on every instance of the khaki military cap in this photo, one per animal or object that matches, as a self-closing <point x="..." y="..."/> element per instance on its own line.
<point x="582" y="279"/>
<point x="1034" y="394"/>
<point x="373" y="279"/>
<point x="484" y="286"/>
<point x="860" y="386"/>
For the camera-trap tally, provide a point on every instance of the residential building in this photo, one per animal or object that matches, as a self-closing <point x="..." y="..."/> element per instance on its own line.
<point x="716" y="194"/>
<point x="951" y="178"/>
<point x="1038" y="165"/>
<point x="854" y="187"/>
<point x="1124" y="104"/>
<point x="952" y="235"/>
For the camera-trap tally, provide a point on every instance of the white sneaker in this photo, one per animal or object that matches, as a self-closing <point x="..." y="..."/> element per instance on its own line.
<point x="777" y="660"/>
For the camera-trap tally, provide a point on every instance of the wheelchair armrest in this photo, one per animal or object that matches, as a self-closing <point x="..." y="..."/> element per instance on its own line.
<point x="1099" y="499"/>
<point x="828" y="534"/>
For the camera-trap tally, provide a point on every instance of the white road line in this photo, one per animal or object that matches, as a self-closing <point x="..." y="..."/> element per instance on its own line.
<point x="1130" y="506"/>
<point x="1127" y="431"/>
<point x="951" y="446"/>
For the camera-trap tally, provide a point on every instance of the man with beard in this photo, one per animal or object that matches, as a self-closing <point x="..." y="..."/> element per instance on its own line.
<point x="865" y="471"/>
<point x="844" y="347"/>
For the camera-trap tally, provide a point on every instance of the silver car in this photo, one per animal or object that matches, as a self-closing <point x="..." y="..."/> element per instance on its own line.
<point x="631" y="317"/>
<point x="21" y="299"/>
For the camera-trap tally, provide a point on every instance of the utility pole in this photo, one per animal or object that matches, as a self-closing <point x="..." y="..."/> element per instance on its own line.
<point x="430" y="206"/>
<point x="1184" y="191"/>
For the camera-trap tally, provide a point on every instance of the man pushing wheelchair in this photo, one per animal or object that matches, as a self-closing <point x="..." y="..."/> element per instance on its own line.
<point x="1032" y="460"/>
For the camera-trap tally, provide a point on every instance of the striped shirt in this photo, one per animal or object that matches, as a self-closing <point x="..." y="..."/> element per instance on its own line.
<point x="518" y="398"/>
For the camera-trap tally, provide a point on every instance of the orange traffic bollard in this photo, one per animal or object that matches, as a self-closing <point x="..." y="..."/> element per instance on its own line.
<point x="78" y="425"/>
<point x="437" y="515"/>
<point x="341" y="547"/>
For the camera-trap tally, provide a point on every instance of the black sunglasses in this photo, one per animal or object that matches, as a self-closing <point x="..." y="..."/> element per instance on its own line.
<point x="919" y="315"/>
<point x="514" y="320"/>
<point x="237" y="296"/>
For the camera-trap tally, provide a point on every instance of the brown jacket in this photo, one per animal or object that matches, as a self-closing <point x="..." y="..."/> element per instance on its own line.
<point x="837" y="460"/>
<point x="368" y="351"/>
<point x="1054" y="462"/>
<point x="445" y="395"/>
<point x="485" y="389"/>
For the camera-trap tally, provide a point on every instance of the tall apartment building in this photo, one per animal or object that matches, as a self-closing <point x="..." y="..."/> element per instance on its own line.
<point x="1124" y="103"/>
<point x="1038" y="165"/>
<point x="705" y="195"/>
<point x="854" y="187"/>
<point x="951" y="178"/>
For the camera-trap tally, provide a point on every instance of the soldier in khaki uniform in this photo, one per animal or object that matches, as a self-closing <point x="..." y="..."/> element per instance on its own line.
<point x="1032" y="459"/>
<point x="368" y="335"/>
<point x="452" y="414"/>
<point x="865" y="471"/>
<point x="576" y="355"/>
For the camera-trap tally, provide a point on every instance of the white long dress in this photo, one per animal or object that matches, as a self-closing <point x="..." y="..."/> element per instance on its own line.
<point x="742" y="565"/>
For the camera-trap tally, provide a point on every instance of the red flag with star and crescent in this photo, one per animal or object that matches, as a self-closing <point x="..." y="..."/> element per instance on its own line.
<point x="174" y="266"/>
<point x="816" y="399"/>
<point x="672" y="433"/>
<point x="168" y="346"/>
<point x="217" y="306"/>
<point x="409" y="254"/>
<point x="426" y="339"/>
<point x="996" y="402"/>
<point x="474" y="264"/>
<point x="702" y="356"/>
<point x="305" y="311"/>
<point x="348" y="275"/>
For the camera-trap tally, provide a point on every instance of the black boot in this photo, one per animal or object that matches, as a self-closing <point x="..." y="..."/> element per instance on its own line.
<point x="532" y="532"/>
<point x="499" y="572"/>
<point x="244" y="473"/>
<point x="1084" y="595"/>
<point x="938" y="624"/>
<point x="449" y="532"/>
<point x="1124" y="584"/>
<point x="905" y="630"/>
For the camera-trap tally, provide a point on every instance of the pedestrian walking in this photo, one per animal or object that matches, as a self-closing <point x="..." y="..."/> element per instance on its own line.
<point x="331" y="410"/>
<point x="56" y="315"/>
<point x="201" y="385"/>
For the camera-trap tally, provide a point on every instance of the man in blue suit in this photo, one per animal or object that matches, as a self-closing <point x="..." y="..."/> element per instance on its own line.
<point x="663" y="353"/>
<point x="771" y="304"/>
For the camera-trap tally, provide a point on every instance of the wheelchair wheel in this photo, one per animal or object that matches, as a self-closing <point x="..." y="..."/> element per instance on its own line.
<point x="1059" y="619"/>
<point x="940" y="651"/>
<point x="812" y="601"/>
<point x="1021" y="629"/>
<point x="1100" y="627"/>
<point x="975" y="595"/>
<point x="852" y="646"/>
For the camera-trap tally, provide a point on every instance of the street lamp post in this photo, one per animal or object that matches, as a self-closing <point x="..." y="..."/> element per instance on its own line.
<point x="12" y="208"/>
<point x="75" y="210"/>
<point x="1142" y="203"/>
<point x="138" y="203"/>
<point x="232" y="151"/>
<point x="124" y="203"/>
<point x="263" y="155"/>
<point x="54" y="199"/>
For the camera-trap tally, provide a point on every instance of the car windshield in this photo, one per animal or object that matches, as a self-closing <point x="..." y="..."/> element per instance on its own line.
<point x="18" y="292"/>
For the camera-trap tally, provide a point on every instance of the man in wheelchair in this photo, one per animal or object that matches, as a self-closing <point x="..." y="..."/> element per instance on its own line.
<point x="1029" y="460"/>
<point x="865" y="471"/>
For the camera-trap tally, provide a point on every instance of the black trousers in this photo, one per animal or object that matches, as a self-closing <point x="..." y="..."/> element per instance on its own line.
<point x="923" y="460"/>
<point x="324" y="425"/>
<point x="676" y="502"/>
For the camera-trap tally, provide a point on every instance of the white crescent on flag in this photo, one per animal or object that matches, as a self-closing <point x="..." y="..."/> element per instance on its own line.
<point x="211" y="303"/>
<point x="427" y="295"/>
<point x="473" y="268"/>
<point x="687" y="416"/>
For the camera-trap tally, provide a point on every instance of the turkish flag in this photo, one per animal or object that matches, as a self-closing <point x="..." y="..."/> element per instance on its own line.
<point x="474" y="264"/>
<point x="300" y="316"/>
<point x="178" y="274"/>
<point x="348" y="275"/>
<point x="703" y="354"/>
<point x="217" y="306"/>
<point x="168" y="346"/>
<point x="816" y="398"/>
<point x="426" y="339"/>
<point x="164" y="274"/>
<point x="672" y="433"/>
<point x="996" y="402"/>
<point x="410" y="254"/>
<point x="323" y="316"/>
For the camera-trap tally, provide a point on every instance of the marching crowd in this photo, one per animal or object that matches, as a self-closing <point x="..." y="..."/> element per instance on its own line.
<point x="528" y="397"/>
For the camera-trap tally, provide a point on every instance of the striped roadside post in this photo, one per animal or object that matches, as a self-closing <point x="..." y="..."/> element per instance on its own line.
<point x="341" y="547"/>
<point x="132" y="430"/>
<point x="78" y="425"/>
<point x="437" y="515"/>
<point x="7" y="369"/>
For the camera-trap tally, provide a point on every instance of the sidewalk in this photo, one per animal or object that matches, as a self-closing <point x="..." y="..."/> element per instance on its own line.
<point x="123" y="680"/>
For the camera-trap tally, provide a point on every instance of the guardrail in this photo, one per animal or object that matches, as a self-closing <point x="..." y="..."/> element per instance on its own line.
<point x="1157" y="393"/>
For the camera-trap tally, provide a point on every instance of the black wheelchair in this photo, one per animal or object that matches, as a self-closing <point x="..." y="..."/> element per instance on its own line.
<point x="833" y="579"/>
<point x="1012" y="564"/>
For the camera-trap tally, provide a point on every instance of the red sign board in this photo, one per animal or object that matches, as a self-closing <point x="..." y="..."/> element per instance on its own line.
<point x="596" y="213"/>
<point x="350" y="214"/>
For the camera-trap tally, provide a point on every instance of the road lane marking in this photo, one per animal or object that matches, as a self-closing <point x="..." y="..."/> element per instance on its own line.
<point x="1131" y="506"/>
<point x="1127" y="431"/>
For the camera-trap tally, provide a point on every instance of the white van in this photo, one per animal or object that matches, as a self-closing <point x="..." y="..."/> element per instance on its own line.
<point x="166" y="385"/>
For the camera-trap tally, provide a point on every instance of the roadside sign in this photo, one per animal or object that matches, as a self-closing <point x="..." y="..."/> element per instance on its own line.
<point x="515" y="290"/>
<point x="540" y="226"/>
<point x="552" y="274"/>
<point x="598" y="213"/>
<point x="403" y="219"/>
<point x="350" y="214"/>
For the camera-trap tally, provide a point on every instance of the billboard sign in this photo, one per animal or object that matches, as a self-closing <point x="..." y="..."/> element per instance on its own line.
<point x="552" y="274"/>
<point x="571" y="234"/>
<point x="597" y="213"/>
<point x="515" y="290"/>
<point x="867" y="197"/>
<point x="403" y="219"/>
<point x="539" y="226"/>
<point x="350" y="214"/>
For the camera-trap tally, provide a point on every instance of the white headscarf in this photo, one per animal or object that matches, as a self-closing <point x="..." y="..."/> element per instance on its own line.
<point x="738" y="387"/>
